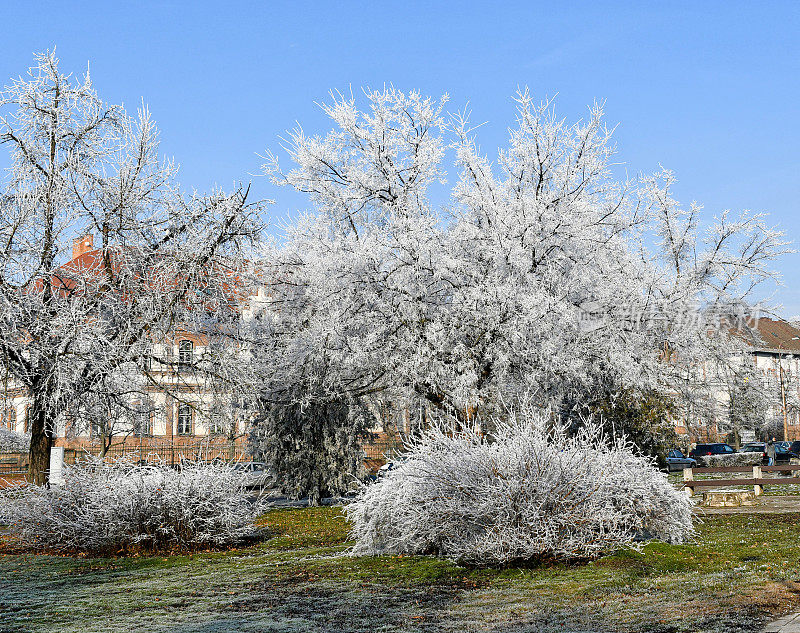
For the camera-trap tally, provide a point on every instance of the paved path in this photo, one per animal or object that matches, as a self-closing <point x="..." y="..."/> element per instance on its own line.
<point x="787" y="624"/>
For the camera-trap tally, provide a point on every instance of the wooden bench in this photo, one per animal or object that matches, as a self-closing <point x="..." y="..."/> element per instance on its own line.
<point x="756" y="480"/>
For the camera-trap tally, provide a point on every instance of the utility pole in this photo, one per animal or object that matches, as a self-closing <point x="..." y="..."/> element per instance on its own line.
<point x="783" y="390"/>
<point x="783" y="399"/>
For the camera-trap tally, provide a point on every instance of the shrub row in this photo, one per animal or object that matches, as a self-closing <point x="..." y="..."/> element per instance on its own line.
<point x="123" y="507"/>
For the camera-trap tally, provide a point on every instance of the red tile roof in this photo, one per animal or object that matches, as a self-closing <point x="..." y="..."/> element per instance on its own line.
<point x="776" y="336"/>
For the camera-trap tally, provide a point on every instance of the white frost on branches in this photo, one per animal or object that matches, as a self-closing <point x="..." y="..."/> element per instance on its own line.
<point x="546" y="275"/>
<point x="106" y="507"/>
<point x="162" y="260"/>
<point x="13" y="442"/>
<point x="527" y="492"/>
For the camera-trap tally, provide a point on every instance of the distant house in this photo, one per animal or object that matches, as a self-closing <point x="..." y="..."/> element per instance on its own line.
<point x="777" y="355"/>
<point x="774" y="350"/>
<point x="176" y="409"/>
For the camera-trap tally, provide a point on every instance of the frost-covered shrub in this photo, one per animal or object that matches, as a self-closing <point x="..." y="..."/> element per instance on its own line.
<point x="524" y="493"/>
<point x="730" y="459"/>
<point x="122" y="507"/>
<point x="11" y="442"/>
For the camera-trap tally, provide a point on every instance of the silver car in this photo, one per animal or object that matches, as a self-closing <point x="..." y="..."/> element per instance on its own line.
<point x="678" y="461"/>
<point x="256" y="474"/>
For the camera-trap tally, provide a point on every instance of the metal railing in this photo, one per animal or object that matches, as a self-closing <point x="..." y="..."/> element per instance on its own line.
<point x="173" y="454"/>
<point x="382" y="448"/>
<point x="13" y="463"/>
<point x="166" y="453"/>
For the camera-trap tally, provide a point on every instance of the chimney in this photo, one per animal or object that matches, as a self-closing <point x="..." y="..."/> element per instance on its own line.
<point x="82" y="245"/>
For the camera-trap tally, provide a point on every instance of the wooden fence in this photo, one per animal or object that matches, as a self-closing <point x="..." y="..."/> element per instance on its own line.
<point x="757" y="480"/>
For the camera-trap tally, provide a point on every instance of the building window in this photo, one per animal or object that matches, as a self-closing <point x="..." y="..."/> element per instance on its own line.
<point x="10" y="419"/>
<point x="143" y="423"/>
<point x="26" y="425"/>
<point x="96" y="429"/>
<point x="185" y="355"/>
<point x="146" y="360"/>
<point x="184" y="419"/>
<point x="216" y="425"/>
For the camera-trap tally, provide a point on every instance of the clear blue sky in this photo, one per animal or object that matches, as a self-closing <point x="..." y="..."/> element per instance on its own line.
<point x="710" y="90"/>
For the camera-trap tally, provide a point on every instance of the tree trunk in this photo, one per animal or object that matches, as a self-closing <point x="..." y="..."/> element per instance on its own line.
<point x="315" y="487"/>
<point x="315" y="496"/>
<point x="41" y="442"/>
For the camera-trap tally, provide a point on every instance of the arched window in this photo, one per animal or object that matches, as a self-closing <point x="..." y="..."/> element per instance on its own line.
<point x="185" y="355"/>
<point x="184" y="419"/>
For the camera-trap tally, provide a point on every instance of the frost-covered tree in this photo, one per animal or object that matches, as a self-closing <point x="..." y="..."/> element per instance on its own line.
<point x="78" y="166"/>
<point x="546" y="276"/>
<point x="110" y="410"/>
<point x="747" y="399"/>
<point x="644" y="419"/>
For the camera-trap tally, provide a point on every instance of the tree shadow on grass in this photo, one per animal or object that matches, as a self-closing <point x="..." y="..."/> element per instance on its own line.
<point x="349" y="607"/>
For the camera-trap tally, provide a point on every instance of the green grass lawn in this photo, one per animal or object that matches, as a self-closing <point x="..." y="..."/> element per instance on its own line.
<point x="741" y="570"/>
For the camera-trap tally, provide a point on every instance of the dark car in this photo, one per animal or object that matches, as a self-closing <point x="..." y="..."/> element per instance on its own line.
<point x="783" y="451"/>
<point x="753" y="447"/>
<point x="676" y="460"/>
<point x="718" y="448"/>
<point x="783" y="454"/>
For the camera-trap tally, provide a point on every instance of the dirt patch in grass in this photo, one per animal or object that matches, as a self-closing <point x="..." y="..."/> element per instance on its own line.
<point x="770" y="596"/>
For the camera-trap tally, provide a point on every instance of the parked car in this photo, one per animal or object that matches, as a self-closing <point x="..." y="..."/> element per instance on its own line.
<point x="255" y="474"/>
<point x="753" y="447"/>
<point x="718" y="448"/>
<point x="676" y="460"/>
<point x="783" y="455"/>
<point x="390" y="465"/>
<point x="756" y="447"/>
<point x="783" y="451"/>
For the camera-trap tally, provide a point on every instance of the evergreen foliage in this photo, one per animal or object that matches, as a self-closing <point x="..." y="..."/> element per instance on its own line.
<point x="315" y="448"/>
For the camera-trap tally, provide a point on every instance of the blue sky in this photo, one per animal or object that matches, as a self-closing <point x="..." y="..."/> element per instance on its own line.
<point x="710" y="90"/>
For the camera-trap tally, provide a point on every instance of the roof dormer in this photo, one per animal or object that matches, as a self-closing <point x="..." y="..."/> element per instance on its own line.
<point x="82" y="245"/>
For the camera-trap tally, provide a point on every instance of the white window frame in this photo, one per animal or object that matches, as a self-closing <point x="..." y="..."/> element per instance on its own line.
<point x="185" y="355"/>
<point x="184" y="411"/>
<point x="144" y="418"/>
